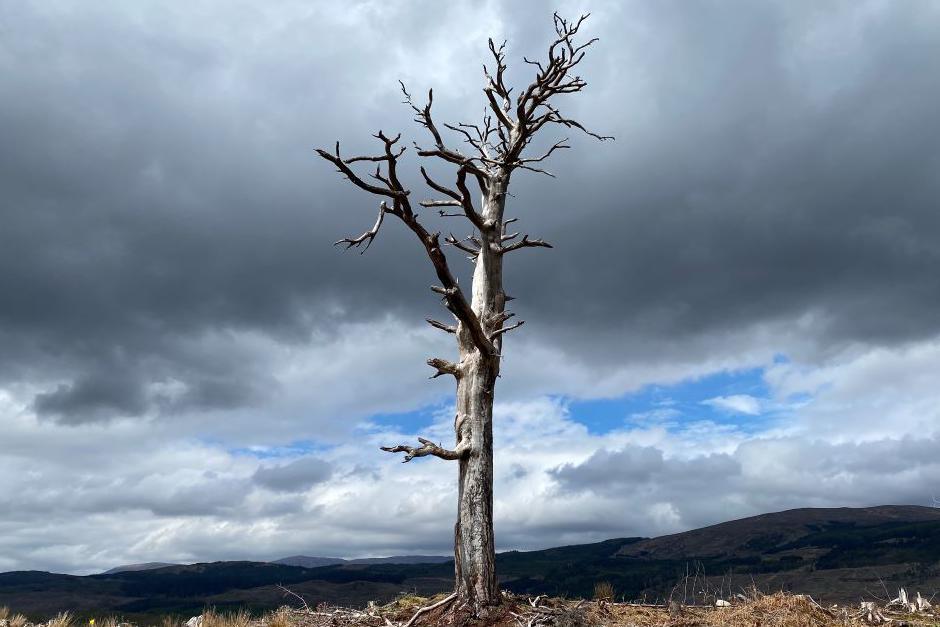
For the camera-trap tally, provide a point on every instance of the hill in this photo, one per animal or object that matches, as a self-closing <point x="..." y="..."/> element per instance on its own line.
<point x="776" y="532"/>
<point x="833" y="554"/>
<point x="136" y="567"/>
<point x="315" y="562"/>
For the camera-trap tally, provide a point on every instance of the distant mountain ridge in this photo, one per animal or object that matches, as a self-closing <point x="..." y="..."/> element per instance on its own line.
<point x="764" y="533"/>
<point x="130" y="568"/>
<point x="303" y="561"/>
<point x="306" y="561"/>
<point x="837" y="555"/>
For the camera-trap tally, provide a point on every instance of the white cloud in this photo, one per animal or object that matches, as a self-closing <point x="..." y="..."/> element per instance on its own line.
<point x="736" y="403"/>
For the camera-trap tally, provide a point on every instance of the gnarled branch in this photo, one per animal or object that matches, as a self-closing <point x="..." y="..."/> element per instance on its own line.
<point x="369" y="235"/>
<point x="401" y="208"/>
<point x="438" y="187"/>
<point x="525" y="242"/>
<point x="427" y="448"/>
<point x="423" y="117"/>
<point x="456" y="243"/>
<point x="437" y="324"/>
<point x="442" y="365"/>
<point x="344" y="168"/>
<point x="495" y="334"/>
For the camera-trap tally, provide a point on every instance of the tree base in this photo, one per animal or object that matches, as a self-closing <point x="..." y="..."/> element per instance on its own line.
<point x="466" y="615"/>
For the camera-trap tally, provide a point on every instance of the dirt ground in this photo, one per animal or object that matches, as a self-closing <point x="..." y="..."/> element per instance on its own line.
<point x="753" y="610"/>
<point x="774" y="610"/>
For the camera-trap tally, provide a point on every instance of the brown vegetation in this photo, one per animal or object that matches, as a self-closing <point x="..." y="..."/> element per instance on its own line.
<point x="751" y="610"/>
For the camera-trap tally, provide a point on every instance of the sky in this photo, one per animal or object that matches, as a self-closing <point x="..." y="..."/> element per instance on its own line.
<point x="739" y="314"/>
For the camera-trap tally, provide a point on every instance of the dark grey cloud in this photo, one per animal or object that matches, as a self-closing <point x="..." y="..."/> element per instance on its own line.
<point x="295" y="476"/>
<point x="774" y="161"/>
<point x="645" y="468"/>
<point x="101" y="396"/>
<point x="758" y="186"/>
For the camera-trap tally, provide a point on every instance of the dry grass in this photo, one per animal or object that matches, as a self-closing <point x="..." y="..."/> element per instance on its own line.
<point x="280" y="618"/>
<point x="211" y="618"/>
<point x="411" y="602"/>
<point x="772" y="610"/>
<point x="603" y="591"/>
<point x="63" y="619"/>
<point x="4" y="612"/>
<point x="775" y="610"/>
<point x="754" y="610"/>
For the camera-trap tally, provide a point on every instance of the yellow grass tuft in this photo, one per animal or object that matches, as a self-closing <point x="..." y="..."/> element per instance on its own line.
<point x="108" y="621"/>
<point x="212" y="618"/>
<point x="280" y="618"/>
<point x="17" y="620"/>
<point x="170" y="621"/>
<point x="775" y="610"/>
<point x="603" y="591"/>
<point x="63" y="619"/>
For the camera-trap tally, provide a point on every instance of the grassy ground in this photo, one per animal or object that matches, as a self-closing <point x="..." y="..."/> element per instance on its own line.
<point x="757" y="610"/>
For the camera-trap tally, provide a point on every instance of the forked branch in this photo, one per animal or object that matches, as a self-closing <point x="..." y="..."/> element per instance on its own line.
<point x="392" y="188"/>
<point x="427" y="448"/>
<point x="532" y="108"/>
<point x="369" y="236"/>
<point x="525" y="242"/>
<point x="440" y="150"/>
<point x="495" y="334"/>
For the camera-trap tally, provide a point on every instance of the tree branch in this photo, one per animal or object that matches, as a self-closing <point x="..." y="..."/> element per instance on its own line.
<point x="557" y="146"/>
<point x="497" y="86"/>
<point x="344" y="168"/>
<point x="442" y="203"/>
<point x="456" y="243"/>
<point x="427" y="448"/>
<point x="401" y="208"/>
<point x="438" y="187"/>
<point x="442" y="365"/>
<point x="466" y="200"/>
<point x="440" y="325"/>
<point x="525" y="242"/>
<point x="495" y="334"/>
<point x="423" y="117"/>
<point x="369" y="235"/>
<point x="552" y="78"/>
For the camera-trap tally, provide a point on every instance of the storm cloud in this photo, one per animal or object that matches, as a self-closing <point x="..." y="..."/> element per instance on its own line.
<point x="168" y="283"/>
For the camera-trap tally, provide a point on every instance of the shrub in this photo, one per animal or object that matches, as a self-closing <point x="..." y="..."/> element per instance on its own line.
<point x="603" y="591"/>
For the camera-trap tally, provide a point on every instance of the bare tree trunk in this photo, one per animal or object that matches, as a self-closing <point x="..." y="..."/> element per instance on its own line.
<point x="498" y="150"/>
<point x="474" y="549"/>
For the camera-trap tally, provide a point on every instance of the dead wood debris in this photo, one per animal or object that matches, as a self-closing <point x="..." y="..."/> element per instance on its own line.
<point x="767" y="610"/>
<point x="742" y="610"/>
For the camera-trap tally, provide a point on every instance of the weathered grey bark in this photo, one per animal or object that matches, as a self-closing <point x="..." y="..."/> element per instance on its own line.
<point x="474" y="548"/>
<point x="481" y="321"/>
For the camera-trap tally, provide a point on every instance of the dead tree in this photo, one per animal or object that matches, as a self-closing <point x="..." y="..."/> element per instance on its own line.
<point x="497" y="148"/>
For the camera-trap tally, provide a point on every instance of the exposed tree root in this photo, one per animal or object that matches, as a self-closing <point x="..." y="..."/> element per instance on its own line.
<point x="428" y="608"/>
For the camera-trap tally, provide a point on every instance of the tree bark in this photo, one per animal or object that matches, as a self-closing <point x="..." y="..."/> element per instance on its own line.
<point x="474" y="548"/>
